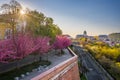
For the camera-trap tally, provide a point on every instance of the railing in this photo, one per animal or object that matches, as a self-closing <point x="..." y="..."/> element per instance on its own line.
<point x="68" y="67"/>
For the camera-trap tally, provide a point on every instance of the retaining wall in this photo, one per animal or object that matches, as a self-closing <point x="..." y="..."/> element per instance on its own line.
<point x="67" y="70"/>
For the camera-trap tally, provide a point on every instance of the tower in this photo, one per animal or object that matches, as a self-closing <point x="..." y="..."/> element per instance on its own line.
<point x="85" y="33"/>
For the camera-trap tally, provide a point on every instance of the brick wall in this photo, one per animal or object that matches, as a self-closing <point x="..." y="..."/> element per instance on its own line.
<point x="67" y="70"/>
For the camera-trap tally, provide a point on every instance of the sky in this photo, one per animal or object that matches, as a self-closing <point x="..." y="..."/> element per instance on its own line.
<point x="74" y="16"/>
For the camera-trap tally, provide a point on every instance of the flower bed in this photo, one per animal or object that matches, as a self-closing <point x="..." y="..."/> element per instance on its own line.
<point x="23" y="70"/>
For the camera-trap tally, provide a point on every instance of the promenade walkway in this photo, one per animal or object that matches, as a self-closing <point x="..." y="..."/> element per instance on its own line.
<point x="55" y="59"/>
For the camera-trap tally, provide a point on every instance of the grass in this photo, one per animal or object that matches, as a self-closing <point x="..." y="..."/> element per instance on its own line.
<point x="17" y="72"/>
<point x="82" y="77"/>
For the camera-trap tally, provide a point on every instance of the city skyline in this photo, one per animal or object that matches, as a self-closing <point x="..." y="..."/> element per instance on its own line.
<point x="75" y="16"/>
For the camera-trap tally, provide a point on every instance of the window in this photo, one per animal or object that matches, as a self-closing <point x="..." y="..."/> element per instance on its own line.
<point x="8" y="33"/>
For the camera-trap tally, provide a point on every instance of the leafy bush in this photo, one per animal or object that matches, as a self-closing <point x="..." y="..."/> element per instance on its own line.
<point x="108" y="56"/>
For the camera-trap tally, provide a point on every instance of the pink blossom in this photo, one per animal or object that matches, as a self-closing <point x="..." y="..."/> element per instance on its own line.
<point x="61" y="42"/>
<point x="21" y="46"/>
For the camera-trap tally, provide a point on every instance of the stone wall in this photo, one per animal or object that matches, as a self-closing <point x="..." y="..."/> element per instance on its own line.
<point x="67" y="70"/>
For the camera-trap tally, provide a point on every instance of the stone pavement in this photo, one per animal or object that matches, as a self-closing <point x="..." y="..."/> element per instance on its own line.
<point x="55" y="59"/>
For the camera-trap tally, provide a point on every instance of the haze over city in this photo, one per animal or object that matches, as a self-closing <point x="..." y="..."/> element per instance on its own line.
<point x="75" y="16"/>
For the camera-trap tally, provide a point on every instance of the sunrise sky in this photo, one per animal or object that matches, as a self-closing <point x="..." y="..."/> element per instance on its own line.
<point x="75" y="16"/>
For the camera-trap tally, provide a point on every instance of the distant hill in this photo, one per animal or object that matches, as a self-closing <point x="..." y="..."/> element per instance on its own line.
<point x="114" y="36"/>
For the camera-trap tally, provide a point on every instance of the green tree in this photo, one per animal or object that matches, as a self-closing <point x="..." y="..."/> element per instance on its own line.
<point x="41" y="25"/>
<point x="10" y="14"/>
<point x="36" y="22"/>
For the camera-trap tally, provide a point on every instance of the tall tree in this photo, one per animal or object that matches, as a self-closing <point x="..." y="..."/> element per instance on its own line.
<point x="61" y="42"/>
<point x="12" y="8"/>
<point x="15" y="6"/>
<point x="49" y="21"/>
<point x="5" y="8"/>
<point x="24" y="46"/>
<point x="6" y="51"/>
<point x="41" y="44"/>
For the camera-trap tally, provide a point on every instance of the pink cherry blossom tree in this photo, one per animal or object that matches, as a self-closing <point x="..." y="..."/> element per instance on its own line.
<point x="22" y="46"/>
<point x="19" y="48"/>
<point x="42" y="45"/>
<point x="61" y="42"/>
<point x="6" y="51"/>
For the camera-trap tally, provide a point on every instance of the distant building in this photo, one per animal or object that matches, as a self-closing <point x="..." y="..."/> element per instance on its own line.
<point x="85" y="33"/>
<point x="115" y="37"/>
<point x="82" y="35"/>
<point x="91" y="38"/>
<point x="21" y="26"/>
<point x="79" y="36"/>
<point x="103" y="37"/>
<point x="5" y="24"/>
<point x="5" y="31"/>
<point x="106" y="39"/>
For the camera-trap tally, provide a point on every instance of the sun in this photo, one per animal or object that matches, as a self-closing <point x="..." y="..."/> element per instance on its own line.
<point x="22" y="12"/>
